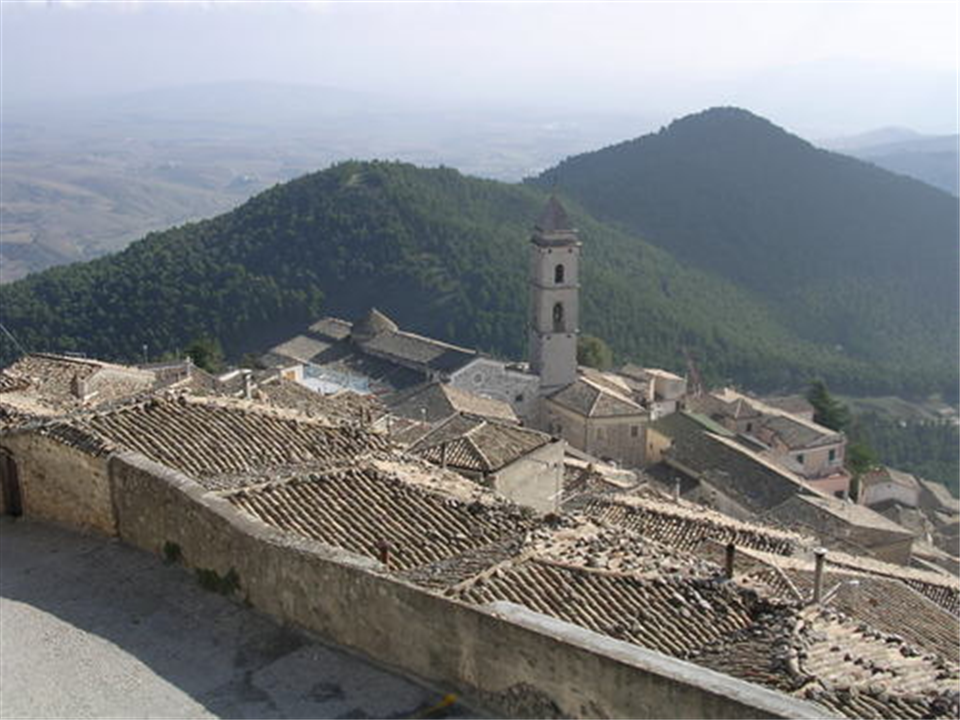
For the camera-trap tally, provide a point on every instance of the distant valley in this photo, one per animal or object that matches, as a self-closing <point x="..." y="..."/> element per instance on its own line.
<point x="84" y="178"/>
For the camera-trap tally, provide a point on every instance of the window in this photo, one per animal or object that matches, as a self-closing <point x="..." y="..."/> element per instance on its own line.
<point x="518" y="397"/>
<point x="558" y="274"/>
<point x="634" y="431"/>
<point x="558" y="325"/>
<point x="833" y="456"/>
<point x="478" y="378"/>
<point x="749" y="427"/>
<point x="800" y="458"/>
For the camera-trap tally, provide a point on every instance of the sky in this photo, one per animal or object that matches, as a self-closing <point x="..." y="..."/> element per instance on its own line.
<point x="819" y="67"/>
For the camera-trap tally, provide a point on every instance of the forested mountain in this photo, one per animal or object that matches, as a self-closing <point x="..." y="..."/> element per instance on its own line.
<point x="843" y="253"/>
<point x="442" y="253"/>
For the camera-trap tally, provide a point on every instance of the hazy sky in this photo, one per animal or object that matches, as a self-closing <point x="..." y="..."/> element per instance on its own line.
<point x="822" y="67"/>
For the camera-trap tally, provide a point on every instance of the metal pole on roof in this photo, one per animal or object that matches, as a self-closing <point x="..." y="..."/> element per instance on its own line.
<point x="819" y="555"/>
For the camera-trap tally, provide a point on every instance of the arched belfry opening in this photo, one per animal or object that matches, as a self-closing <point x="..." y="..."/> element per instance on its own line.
<point x="558" y="323"/>
<point x="558" y="274"/>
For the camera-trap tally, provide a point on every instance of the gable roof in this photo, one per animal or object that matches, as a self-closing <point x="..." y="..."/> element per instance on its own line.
<point x="417" y="350"/>
<point x="477" y="444"/>
<point x="356" y="508"/>
<point x="206" y="438"/>
<point x="889" y="475"/>
<point x="591" y="399"/>
<point x="941" y="494"/>
<point x="793" y="404"/>
<point x="853" y="514"/>
<point x="437" y="401"/>
<point x="44" y="383"/>
<point x="685" y="526"/>
<point x="733" y="469"/>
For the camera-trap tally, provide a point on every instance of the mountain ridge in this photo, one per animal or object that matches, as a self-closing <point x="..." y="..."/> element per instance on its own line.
<point x="845" y="253"/>
<point x="445" y="254"/>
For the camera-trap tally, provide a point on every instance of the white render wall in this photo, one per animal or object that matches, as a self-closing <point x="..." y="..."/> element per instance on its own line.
<point x="493" y="379"/>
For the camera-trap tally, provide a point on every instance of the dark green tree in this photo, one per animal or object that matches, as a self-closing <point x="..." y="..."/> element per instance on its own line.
<point x="206" y="354"/>
<point x="827" y="410"/>
<point x="594" y="352"/>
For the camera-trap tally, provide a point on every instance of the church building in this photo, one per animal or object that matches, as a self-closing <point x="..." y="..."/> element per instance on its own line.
<point x="600" y="413"/>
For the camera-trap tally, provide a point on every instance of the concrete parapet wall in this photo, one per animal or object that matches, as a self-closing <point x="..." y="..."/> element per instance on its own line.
<point x="516" y="661"/>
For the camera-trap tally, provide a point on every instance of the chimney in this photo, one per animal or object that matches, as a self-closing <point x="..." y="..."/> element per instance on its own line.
<point x="676" y="490"/>
<point x="383" y="552"/>
<point x="248" y="385"/>
<point x="443" y="454"/>
<point x="731" y="554"/>
<point x="79" y="387"/>
<point x="820" y="555"/>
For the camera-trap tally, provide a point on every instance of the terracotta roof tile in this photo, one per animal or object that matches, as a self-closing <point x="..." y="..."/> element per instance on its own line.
<point x="358" y="508"/>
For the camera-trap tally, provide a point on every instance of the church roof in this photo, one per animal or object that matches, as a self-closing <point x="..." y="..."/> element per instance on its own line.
<point x="437" y="401"/>
<point x="590" y="399"/>
<point x="554" y="218"/>
<point x="372" y="324"/>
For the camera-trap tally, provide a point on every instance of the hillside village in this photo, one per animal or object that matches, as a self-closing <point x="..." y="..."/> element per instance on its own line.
<point x="710" y="526"/>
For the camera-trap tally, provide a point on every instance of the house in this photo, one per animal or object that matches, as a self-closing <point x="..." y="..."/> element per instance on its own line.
<point x="435" y="401"/>
<point x="846" y="525"/>
<point x="519" y="463"/>
<point x="712" y="465"/>
<point x="800" y="445"/>
<point x="796" y="405"/>
<point x="597" y="415"/>
<point x="45" y="384"/>
<point x="885" y="483"/>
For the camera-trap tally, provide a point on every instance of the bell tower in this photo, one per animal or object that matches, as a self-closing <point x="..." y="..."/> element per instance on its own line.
<point x="554" y="298"/>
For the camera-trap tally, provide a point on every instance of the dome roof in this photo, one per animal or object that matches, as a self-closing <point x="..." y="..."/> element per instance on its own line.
<point x="372" y="324"/>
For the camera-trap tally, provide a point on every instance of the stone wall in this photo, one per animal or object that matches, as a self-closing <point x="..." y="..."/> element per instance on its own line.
<point x="513" y="660"/>
<point x="61" y="484"/>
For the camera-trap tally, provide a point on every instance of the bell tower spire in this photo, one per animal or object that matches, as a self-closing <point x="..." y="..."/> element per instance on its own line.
<point x="554" y="298"/>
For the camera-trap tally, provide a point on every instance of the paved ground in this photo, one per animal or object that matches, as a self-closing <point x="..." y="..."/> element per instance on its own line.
<point x="92" y="628"/>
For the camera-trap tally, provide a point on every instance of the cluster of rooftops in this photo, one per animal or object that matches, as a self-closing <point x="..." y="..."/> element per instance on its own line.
<point x="620" y="554"/>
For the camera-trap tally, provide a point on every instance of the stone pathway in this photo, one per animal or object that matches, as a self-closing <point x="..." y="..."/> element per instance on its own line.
<point x="92" y="628"/>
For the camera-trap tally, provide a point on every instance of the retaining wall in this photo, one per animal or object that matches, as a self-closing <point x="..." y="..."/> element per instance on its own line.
<point x="514" y="660"/>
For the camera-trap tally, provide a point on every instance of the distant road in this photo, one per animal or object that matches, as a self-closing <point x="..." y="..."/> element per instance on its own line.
<point x="92" y="628"/>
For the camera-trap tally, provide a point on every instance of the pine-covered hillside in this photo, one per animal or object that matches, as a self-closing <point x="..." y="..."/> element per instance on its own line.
<point x="443" y="253"/>
<point x="844" y="253"/>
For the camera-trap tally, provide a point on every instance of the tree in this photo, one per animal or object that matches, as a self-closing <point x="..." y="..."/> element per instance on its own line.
<point x="827" y="410"/>
<point x="594" y="352"/>
<point x="206" y="354"/>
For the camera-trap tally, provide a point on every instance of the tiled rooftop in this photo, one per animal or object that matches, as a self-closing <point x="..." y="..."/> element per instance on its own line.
<point x="589" y="398"/>
<point x="437" y="401"/>
<point x="478" y="444"/>
<point x="686" y="527"/>
<point x="360" y="508"/>
<point x="209" y="437"/>
<point x="44" y="384"/>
